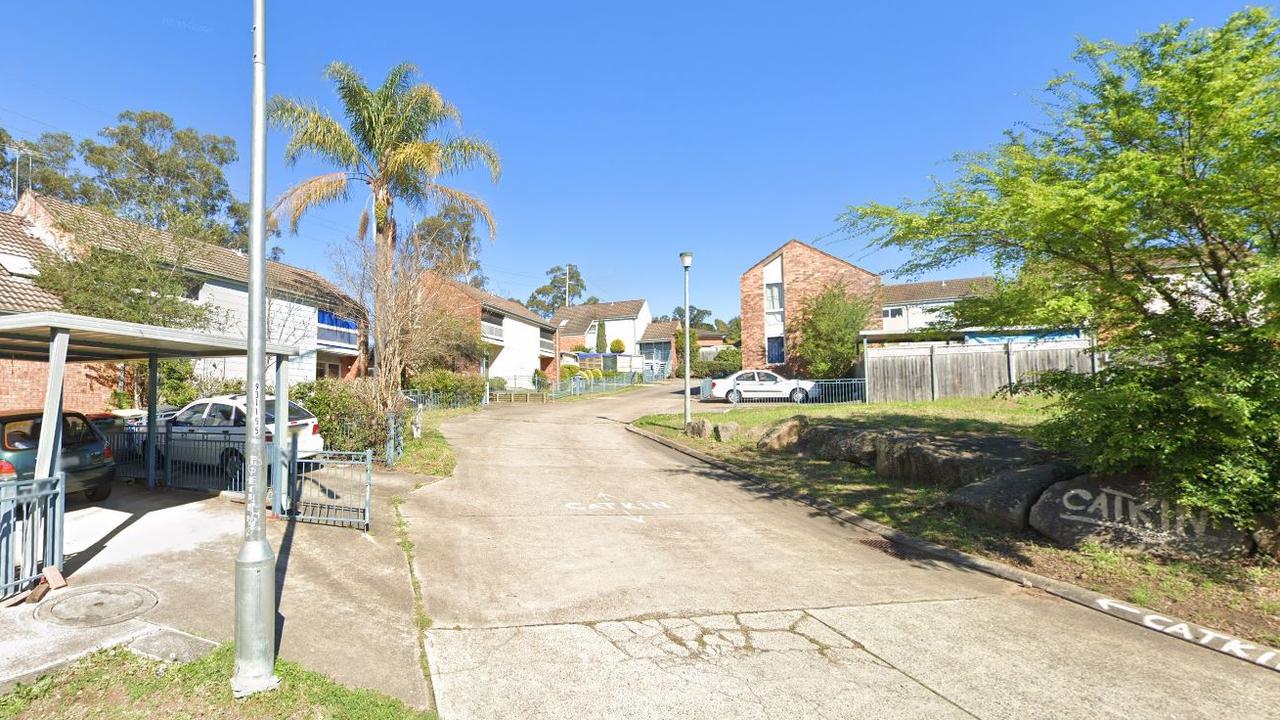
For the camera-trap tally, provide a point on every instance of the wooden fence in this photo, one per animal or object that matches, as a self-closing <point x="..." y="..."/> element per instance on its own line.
<point x="940" y="371"/>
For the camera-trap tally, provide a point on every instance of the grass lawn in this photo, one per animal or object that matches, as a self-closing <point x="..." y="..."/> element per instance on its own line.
<point x="118" y="684"/>
<point x="430" y="454"/>
<point x="1242" y="598"/>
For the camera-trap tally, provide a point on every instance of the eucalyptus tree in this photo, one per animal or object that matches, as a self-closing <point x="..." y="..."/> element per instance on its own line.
<point x="398" y="142"/>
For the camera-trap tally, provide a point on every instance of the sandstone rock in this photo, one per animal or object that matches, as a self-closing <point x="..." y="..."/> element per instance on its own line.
<point x="953" y="460"/>
<point x="754" y="433"/>
<point x="1267" y="536"/>
<point x="1006" y="497"/>
<point x="699" y="428"/>
<point x="725" y="432"/>
<point x="785" y="435"/>
<point x="855" y="446"/>
<point x="1124" y="512"/>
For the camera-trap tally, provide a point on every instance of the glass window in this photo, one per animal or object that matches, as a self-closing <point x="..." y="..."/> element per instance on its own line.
<point x="767" y="377"/>
<point x="773" y="296"/>
<point x="774" y="351"/>
<point x="191" y="416"/>
<point x="76" y="431"/>
<point x="746" y="377"/>
<point x="220" y="415"/>
<point x="891" y="312"/>
<point x="24" y="434"/>
<point x="296" y="412"/>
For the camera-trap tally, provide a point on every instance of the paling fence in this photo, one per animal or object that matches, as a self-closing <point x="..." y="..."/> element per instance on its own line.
<point x="914" y="373"/>
<point x="31" y="522"/>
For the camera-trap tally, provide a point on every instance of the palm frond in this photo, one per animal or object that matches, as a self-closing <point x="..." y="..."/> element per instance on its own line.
<point x="310" y="193"/>
<point x="358" y="104"/>
<point x="464" y="153"/>
<point x="414" y="159"/>
<point x="362" y="230"/>
<point x="442" y="195"/>
<point x="314" y="130"/>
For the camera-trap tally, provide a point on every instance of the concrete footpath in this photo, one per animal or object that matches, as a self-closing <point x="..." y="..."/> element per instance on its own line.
<point x="573" y="569"/>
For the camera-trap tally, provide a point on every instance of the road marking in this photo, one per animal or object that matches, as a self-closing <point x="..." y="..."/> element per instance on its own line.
<point x="604" y="502"/>
<point x="1223" y="643"/>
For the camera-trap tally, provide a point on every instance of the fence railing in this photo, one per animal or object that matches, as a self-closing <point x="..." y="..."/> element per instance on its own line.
<point x="189" y="459"/>
<point x="581" y="385"/>
<point x="333" y="488"/>
<point x="490" y="330"/>
<point x="31" y="522"/>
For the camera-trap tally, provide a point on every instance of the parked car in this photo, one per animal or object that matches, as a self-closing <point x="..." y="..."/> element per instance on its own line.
<point x="762" y="384"/>
<point x="87" y="458"/>
<point x="210" y="431"/>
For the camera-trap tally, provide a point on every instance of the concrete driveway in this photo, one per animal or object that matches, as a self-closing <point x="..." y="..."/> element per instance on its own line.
<point x="574" y="570"/>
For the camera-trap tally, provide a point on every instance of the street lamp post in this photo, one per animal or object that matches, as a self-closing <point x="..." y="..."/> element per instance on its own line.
<point x="255" y="589"/>
<point x="686" y="259"/>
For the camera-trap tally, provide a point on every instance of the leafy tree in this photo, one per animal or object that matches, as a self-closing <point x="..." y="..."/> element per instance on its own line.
<point x="1036" y="296"/>
<point x="395" y="143"/>
<point x="451" y="244"/>
<point x="600" y="338"/>
<point x="697" y="317"/>
<point x="731" y="329"/>
<point x="617" y="346"/>
<point x="46" y="165"/>
<point x="1139" y="203"/>
<point x="563" y="282"/>
<point x="824" y="339"/>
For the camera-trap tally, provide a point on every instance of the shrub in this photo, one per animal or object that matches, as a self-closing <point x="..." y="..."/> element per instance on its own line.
<point x="449" y="386"/>
<point x="601" y="341"/>
<point x="730" y="356"/>
<point x="617" y="346"/>
<point x="497" y="383"/>
<point x="580" y="348"/>
<point x="569" y="371"/>
<point x="825" y="341"/>
<point x="539" y="379"/>
<point x="347" y="410"/>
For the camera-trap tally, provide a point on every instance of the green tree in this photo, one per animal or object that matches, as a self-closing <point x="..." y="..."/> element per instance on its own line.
<point x="396" y="143"/>
<point x="600" y="338"/>
<point x="824" y="340"/>
<point x="697" y="317"/>
<point x="564" y="285"/>
<point x="451" y="244"/>
<point x="1139" y="203"/>
<point x="731" y="329"/>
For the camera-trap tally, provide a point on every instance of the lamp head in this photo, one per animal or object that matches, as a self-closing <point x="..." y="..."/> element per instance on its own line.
<point x="686" y="258"/>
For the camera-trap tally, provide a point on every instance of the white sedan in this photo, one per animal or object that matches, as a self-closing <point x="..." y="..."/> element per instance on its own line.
<point x="761" y="384"/>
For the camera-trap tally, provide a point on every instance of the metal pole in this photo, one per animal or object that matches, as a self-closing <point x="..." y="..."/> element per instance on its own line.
<point x="281" y="449"/>
<point x="688" y="407"/>
<point x="153" y="427"/>
<point x="255" y="565"/>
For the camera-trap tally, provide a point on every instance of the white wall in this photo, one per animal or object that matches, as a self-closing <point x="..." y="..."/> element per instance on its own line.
<point x="519" y="356"/>
<point x="288" y="322"/>
<point x="915" y="316"/>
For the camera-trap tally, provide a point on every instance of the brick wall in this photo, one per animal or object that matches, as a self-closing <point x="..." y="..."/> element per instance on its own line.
<point x="806" y="271"/>
<point x="84" y="387"/>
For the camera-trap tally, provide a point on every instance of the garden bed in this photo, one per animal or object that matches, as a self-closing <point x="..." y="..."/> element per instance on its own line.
<point x="1241" y="597"/>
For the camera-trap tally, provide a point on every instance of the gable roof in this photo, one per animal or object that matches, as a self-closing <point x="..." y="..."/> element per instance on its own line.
<point x="580" y="317"/>
<point x="659" y="331"/>
<point x="936" y="290"/>
<point x="499" y="304"/>
<point x="17" y="292"/>
<point x="99" y="229"/>
<point x="806" y="246"/>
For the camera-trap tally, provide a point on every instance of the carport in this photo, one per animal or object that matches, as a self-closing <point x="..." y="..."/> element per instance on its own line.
<point x="61" y="338"/>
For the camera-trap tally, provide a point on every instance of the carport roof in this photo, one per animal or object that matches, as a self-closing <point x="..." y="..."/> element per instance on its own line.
<point x="26" y="337"/>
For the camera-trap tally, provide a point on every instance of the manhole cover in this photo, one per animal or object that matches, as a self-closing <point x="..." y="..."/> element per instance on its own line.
<point x="97" y="605"/>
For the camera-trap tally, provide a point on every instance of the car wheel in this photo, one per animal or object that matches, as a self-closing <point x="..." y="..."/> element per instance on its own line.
<point x="232" y="465"/>
<point x="799" y="395"/>
<point x="102" y="492"/>
<point x="733" y="396"/>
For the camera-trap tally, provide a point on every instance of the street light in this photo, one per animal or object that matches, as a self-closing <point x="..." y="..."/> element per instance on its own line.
<point x="686" y="259"/>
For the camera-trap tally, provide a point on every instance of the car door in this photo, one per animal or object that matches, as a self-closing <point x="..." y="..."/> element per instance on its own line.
<point x="219" y="433"/>
<point x="184" y="431"/>
<point x="745" y="383"/>
<point x="769" y="385"/>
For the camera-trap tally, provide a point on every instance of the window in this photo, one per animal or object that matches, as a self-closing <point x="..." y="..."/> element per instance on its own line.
<point x="774" y="352"/>
<point x="766" y="377"/>
<point x="24" y="434"/>
<point x="191" y="416"/>
<point x="891" y="312"/>
<point x="745" y="377"/>
<point x="328" y="370"/>
<point x="220" y="415"/>
<point x="772" y="297"/>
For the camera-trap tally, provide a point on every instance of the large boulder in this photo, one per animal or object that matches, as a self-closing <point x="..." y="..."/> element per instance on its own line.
<point x="953" y="460"/>
<point x="699" y="428"/>
<point x="1125" y="512"/>
<point x="1006" y="497"/>
<point x="855" y="446"/>
<point x="1267" y="536"/>
<point x="724" y="432"/>
<point x="786" y="435"/>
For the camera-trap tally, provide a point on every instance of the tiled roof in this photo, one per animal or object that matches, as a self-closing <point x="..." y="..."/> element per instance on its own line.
<point x="104" y="230"/>
<point x="658" y="331"/>
<point x="18" y="293"/>
<point x="580" y="317"/>
<point x="936" y="290"/>
<point x="501" y="304"/>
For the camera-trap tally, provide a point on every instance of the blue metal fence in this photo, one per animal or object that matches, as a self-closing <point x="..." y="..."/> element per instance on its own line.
<point x="332" y="488"/>
<point x="582" y="385"/>
<point x="31" y="526"/>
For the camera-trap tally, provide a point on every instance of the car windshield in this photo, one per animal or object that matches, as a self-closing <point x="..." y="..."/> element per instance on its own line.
<point x="24" y="433"/>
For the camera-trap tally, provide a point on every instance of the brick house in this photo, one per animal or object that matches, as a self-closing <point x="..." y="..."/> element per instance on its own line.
<point x="773" y="290"/>
<point x="516" y="340"/>
<point x="624" y="320"/>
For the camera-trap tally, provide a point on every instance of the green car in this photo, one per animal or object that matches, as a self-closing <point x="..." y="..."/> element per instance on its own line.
<point x="86" y="455"/>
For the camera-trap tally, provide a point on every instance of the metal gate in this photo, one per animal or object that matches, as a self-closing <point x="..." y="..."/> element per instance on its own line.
<point x="31" y="517"/>
<point x="332" y="488"/>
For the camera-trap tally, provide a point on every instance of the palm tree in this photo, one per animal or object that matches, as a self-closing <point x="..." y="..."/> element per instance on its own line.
<point x="395" y="141"/>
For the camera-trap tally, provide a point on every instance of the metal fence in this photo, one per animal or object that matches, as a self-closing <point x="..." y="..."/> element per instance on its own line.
<point x="830" y="391"/>
<point x="191" y="460"/>
<point x="31" y="521"/>
<point x="332" y="488"/>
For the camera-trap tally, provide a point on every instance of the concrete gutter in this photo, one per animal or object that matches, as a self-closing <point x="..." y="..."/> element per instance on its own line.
<point x="1167" y="625"/>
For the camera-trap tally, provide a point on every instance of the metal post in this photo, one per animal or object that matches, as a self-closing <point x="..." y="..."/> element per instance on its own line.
<point x="686" y="259"/>
<point x="281" y="469"/>
<point x="47" y="450"/>
<point x="866" y="371"/>
<point x="1008" y="360"/>
<point x="153" y="429"/>
<point x="933" y="374"/>
<point x="255" y="564"/>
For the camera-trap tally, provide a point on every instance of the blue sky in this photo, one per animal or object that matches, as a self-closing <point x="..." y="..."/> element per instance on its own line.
<point x="628" y="132"/>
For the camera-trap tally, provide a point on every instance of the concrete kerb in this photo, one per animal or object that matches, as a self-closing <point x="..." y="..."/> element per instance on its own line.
<point x="1157" y="622"/>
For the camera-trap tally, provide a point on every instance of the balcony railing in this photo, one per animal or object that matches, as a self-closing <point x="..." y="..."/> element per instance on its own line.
<point x="490" y="331"/>
<point x="331" y="335"/>
<point x="547" y="346"/>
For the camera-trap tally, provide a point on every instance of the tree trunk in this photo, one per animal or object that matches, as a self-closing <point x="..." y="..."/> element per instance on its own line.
<point x="386" y="326"/>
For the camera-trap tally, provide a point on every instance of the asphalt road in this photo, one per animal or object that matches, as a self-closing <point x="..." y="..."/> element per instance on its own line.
<point x="574" y="570"/>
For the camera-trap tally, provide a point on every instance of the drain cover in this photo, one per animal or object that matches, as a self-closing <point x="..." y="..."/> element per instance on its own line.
<point x="97" y="605"/>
